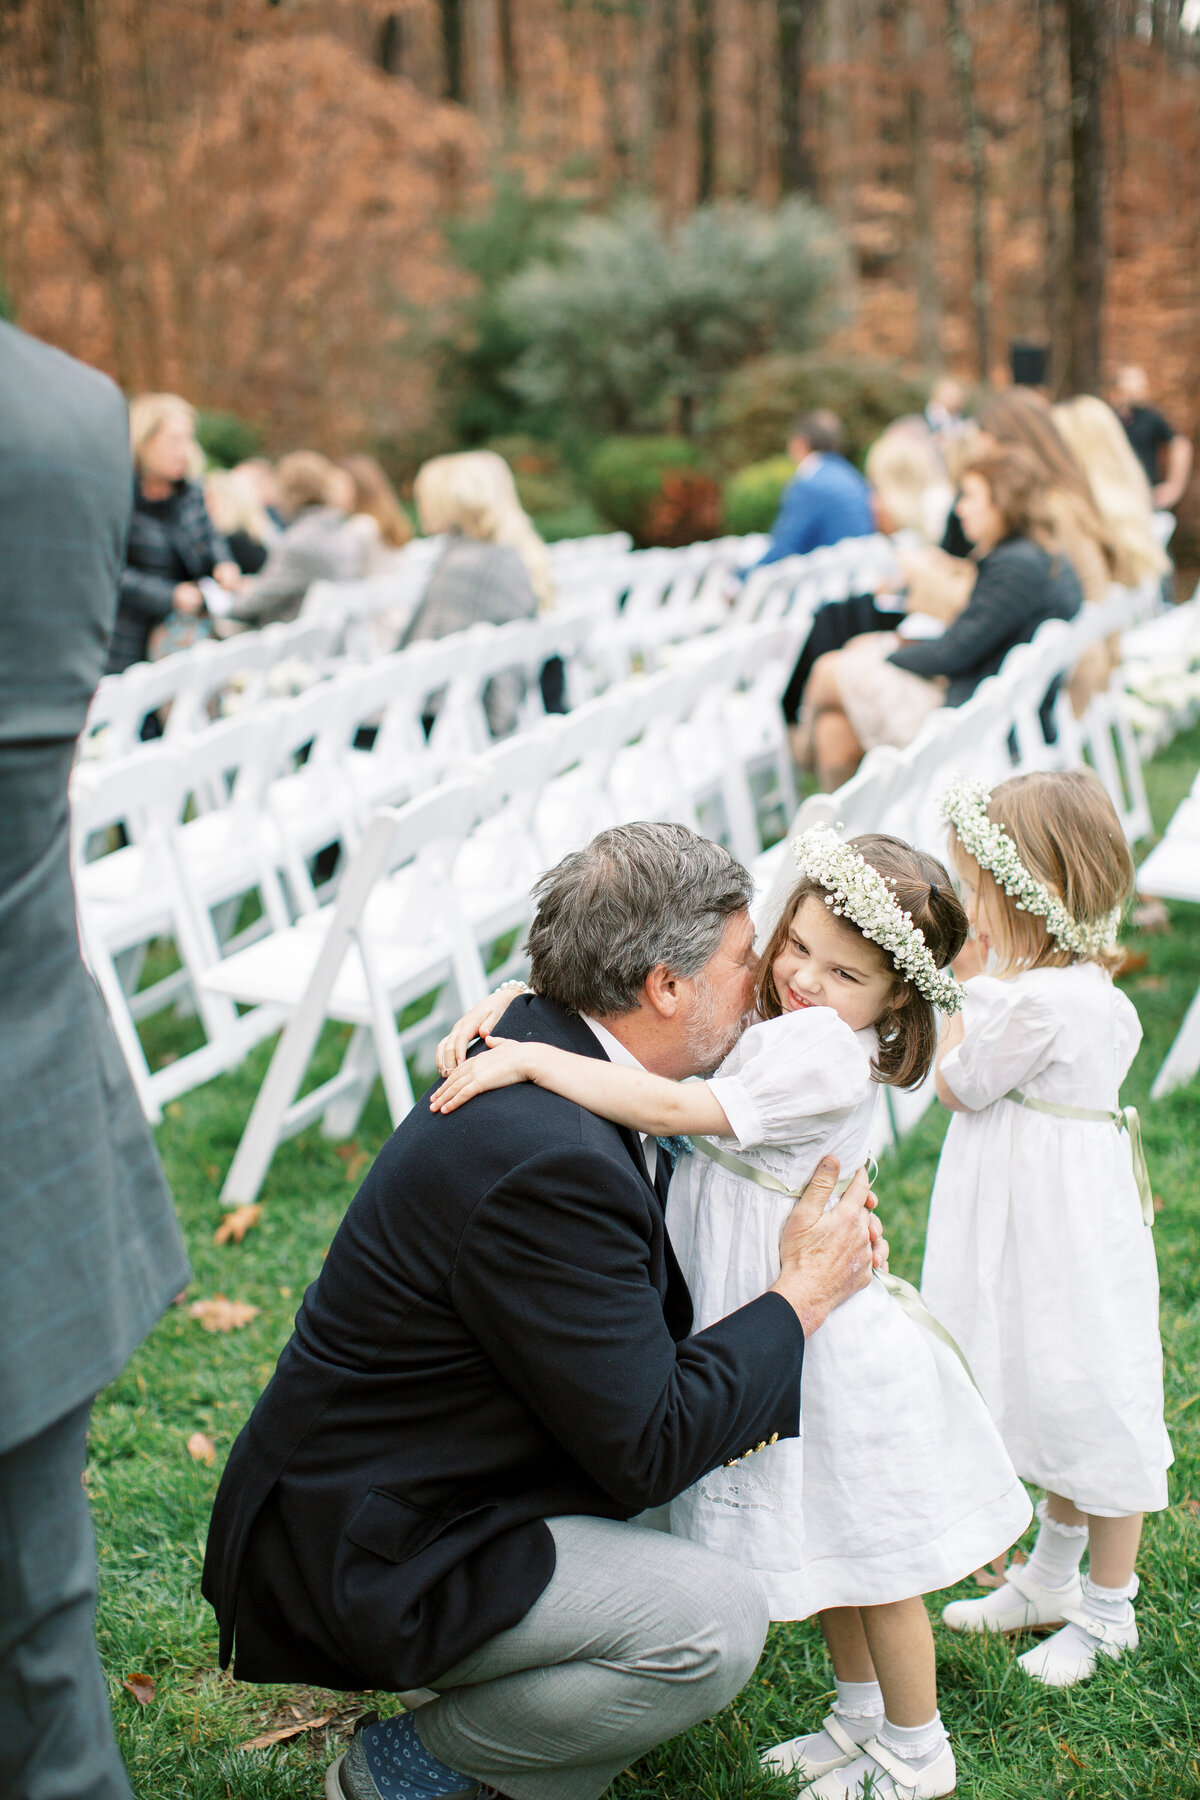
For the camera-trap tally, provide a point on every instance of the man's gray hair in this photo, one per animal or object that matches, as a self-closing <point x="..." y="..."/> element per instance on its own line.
<point x="636" y="896"/>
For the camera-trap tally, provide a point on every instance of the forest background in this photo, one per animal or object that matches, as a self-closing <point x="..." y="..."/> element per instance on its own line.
<point x="301" y="212"/>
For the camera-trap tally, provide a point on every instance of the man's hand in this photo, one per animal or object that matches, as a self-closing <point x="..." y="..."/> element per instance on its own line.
<point x="827" y="1256"/>
<point x="187" y="598"/>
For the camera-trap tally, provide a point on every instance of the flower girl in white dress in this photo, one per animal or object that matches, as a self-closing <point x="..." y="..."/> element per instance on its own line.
<point x="900" y="1483"/>
<point x="1038" y="1257"/>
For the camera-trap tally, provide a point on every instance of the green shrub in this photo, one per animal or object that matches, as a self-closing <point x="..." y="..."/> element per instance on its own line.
<point x="544" y="485"/>
<point x="654" y="488"/>
<point x="752" y="495"/>
<point x="758" y="403"/>
<point x="225" y="439"/>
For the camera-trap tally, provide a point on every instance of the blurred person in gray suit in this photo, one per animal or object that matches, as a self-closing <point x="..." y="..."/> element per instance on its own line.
<point x="90" y="1251"/>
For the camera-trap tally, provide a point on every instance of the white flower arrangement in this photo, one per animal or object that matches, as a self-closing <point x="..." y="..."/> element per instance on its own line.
<point x="964" y="806"/>
<point x="856" y="891"/>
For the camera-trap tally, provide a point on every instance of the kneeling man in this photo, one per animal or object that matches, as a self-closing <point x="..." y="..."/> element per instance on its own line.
<point x="495" y="1370"/>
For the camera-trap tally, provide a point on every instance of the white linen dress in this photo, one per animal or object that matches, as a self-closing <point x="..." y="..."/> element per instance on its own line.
<point x="899" y="1483"/>
<point x="1037" y="1258"/>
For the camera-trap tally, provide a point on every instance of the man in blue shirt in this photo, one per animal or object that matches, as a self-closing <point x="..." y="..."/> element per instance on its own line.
<point x="827" y="499"/>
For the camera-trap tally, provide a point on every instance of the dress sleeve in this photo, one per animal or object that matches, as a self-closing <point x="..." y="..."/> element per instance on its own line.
<point x="1128" y="1035"/>
<point x="795" y="1073"/>
<point x="1008" y="1035"/>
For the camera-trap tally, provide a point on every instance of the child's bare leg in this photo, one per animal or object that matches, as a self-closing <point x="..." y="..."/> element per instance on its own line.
<point x="1112" y="1549"/>
<point x="899" y="1640"/>
<point x="846" y="1641"/>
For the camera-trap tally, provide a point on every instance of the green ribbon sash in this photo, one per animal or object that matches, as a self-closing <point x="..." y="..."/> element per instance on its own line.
<point x="1125" y="1119"/>
<point x="902" y="1292"/>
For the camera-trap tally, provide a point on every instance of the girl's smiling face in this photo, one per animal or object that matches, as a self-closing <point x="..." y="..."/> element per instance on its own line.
<point x="825" y="962"/>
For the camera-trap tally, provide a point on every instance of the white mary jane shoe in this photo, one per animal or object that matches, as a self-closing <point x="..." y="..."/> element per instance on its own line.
<point x="1034" y="1607"/>
<point x="1070" y="1655"/>
<point x="789" y="1758"/>
<point x="889" y="1776"/>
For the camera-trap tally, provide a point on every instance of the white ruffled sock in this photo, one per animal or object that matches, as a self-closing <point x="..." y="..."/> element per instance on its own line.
<point x="1058" y="1551"/>
<point x="917" y="1745"/>
<point x="859" y="1711"/>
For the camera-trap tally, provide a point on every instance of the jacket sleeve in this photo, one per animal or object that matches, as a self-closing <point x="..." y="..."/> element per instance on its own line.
<point x="144" y="595"/>
<point x="553" y="1279"/>
<point x="992" y="619"/>
<point x="283" y="575"/>
<point x="791" y="533"/>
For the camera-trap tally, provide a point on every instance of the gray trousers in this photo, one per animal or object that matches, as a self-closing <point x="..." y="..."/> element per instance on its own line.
<point x="56" y="1736"/>
<point x="638" y="1636"/>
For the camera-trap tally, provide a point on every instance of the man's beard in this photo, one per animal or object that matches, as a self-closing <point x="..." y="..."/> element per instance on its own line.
<point x="709" y="1037"/>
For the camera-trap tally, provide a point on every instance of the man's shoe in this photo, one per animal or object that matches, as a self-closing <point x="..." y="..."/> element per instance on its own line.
<point x="1022" y="1604"/>
<point x="795" y="1757"/>
<point x="1072" y="1653"/>
<point x="350" y="1778"/>
<point x="881" y="1775"/>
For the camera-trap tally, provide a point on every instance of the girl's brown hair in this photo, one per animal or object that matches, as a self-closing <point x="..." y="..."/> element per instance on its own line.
<point x="907" y="1028"/>
<point x="1018" y="493"/>
<point x="1068" y="835"/>
<point x="1018" y="419"/>
<point x="375" y="496"/>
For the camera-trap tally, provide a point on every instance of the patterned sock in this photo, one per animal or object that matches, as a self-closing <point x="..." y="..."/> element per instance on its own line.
<point x="400" y="1766"/>
<point x="1058" y="1551"/>
<point x="916" y="1745"/>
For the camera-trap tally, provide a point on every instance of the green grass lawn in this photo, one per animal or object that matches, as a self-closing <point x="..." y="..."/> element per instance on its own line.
<point x="1130" y="1734"/>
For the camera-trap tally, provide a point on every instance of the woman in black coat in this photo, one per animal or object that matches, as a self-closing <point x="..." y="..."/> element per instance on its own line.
<point x="172" y="545"/>
<point x="879" y="689"/>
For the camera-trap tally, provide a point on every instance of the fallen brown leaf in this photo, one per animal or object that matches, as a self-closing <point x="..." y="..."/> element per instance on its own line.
<point x="1159" y="1202"/>
<point x="202" y="1449"/>
<point x="1132" y="963"/>
<point x="236" y="1223"/>
<point x="212" y="1171"/>
<point x="285" y="1732"/>
<point x="1067" y="1751"/>
<point x="140" y="1686"/>
<point x="355" y="1159"/>
<point x="222" y="1314"/>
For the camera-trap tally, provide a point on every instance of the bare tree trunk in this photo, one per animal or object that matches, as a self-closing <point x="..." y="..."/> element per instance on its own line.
<point x="508" y="53"/>
<point x="839" y="148"/>
<point x="452" y="49"/>
<point x="1051" y="113"/>
<point x="706" y="112"/>
<point x="923" y="248"/>
<point x="963" y="59"/>
<point x="796" y="173"/>
<point x="1087" y="56"/>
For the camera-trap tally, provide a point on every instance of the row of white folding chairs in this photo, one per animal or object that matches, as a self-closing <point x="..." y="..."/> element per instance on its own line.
<point x="1172" y="872"/>
<point x="194" y="686"/>
<point x="178" y="872"/>
<point x="834" y="572"/>
<point x="453" y="871"/>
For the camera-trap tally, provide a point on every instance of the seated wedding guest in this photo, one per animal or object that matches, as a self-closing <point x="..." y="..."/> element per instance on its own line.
<point x="261" y="476"/>
<point x="826" y="500"/>
<point x="1149" y="435"/>
<point x="239" y="515"/>
<point x="910" y="498"/>
<point x="376" y="514"/>
<point x="879" y="690"/>
<point x="314" y="545"/>
<point x="494" y="567"/>
<point x="172" y="542"/>
<point x="1096" y="438"/>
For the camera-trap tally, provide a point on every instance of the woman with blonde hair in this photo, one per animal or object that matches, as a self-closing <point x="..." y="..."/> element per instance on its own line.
<point x="172" y="544"/>
<point x="494" y="567"/>
<point x="1096" y="437"/>
<point x="240" y="516"/>
<point x="473" y="495"/>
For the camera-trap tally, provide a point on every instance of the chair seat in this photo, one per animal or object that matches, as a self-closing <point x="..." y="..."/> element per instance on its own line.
<point x="1172" y="869"/>
<point x="127" y="896"/>
<point x="277" y="970"/>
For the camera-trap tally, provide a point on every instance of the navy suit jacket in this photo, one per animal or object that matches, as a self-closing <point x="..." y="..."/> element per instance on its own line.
<point x="499" y="1335"/>
<point x="822" y="506"/>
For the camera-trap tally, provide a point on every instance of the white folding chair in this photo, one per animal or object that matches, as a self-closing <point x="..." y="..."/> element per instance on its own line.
<point x="393" y="936"/>
<point x="133" y="896"/>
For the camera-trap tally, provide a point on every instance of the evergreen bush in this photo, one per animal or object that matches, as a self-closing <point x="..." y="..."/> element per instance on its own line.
<point x="654" y="488"/>
<point x="225" y="439"/>
<point x="752" y="495"/>
<point x="758" y="403"/>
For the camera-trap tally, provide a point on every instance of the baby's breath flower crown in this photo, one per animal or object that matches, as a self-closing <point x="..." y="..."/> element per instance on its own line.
<point x="856" y="891"/>
<point x="965" y="806"/>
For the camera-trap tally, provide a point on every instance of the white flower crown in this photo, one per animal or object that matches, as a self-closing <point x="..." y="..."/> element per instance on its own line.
<point x="964" y="806"/>
<point x="858" y="892"/>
